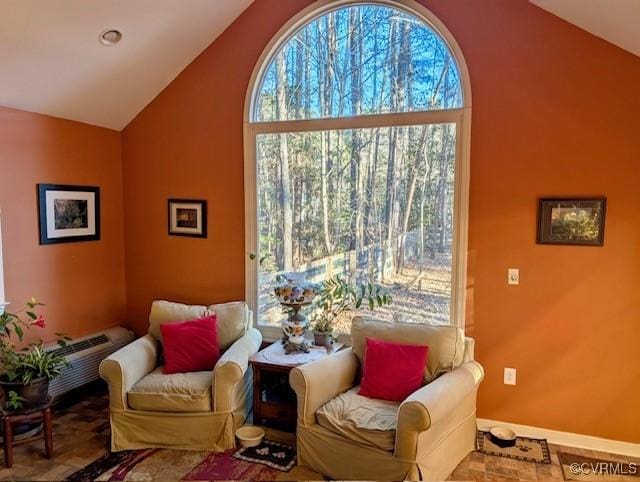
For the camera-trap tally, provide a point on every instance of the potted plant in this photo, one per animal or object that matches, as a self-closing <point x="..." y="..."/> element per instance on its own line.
<point x="25" y="372"/>
<point x="337" y="298"/>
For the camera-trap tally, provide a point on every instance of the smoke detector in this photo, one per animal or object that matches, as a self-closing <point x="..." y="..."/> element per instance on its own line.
<point x="110" y="37"/>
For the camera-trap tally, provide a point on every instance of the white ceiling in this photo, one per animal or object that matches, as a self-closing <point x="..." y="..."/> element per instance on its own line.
<point x="52" y="62"/>
<point x="616" y="21"/>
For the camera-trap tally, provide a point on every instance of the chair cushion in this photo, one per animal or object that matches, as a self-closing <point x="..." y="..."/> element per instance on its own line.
<point x="361" y="419"/>
<point x="190" y="346"/>
<point x="233" y="321"/>
<point x="179" y="392"/>
<point x="169" y="312"/>
<point x="392" y="371"/>
<point x="232" y="318"/>
<point x="446" y="343"/>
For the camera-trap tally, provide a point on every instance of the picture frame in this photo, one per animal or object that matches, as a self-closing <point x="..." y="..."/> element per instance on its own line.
<point x="572" y="221"/>
<point x="187" y="217"/>
<point x="68" y="214"/>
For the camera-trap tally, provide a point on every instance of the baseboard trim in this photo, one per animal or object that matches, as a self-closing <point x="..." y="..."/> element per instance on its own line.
<point x="567" y="438"/>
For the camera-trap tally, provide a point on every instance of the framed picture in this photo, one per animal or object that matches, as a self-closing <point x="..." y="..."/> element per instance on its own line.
<point x="572" y="221"/>
<point x="188" y="217"/>
<point x="68" y="213"/>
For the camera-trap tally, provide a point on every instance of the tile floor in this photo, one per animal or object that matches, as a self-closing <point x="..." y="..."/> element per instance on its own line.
<point x="480" y="467"/>
<point x="81" y="435"/>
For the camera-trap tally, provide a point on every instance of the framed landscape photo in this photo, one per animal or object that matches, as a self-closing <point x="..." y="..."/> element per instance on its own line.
<point x="68" y="213"/>
<point x="572" y="221"/>
<point x="188" y="217"/>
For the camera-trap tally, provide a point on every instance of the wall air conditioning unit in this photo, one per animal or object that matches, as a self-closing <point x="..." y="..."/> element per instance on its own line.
<point x="85" y="354"/>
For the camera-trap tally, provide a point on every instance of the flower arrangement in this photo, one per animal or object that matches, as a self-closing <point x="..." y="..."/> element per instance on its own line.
<point x="32" y="364"/>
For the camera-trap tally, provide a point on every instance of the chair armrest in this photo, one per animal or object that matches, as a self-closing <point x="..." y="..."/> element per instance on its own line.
<point x="433" y="403"/>
<point x="124" y="368"/>
<point x="231" y="368"/>
<point x="318" y="382"/>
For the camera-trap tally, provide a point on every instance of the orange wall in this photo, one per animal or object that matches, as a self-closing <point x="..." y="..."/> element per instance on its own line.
<point x="555" y="112"/>
<point x="82" y="284"/>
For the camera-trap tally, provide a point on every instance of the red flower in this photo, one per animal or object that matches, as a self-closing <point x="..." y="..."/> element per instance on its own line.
<point x="39" y="322"/>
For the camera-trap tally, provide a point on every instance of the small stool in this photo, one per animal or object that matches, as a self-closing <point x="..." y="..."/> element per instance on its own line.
<point x="42" y="412"/>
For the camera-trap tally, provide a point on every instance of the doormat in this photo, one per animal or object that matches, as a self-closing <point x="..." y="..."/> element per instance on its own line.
<point x="578" y="467"/>
<point x="277" y="456"/>
<point x="528" y="449"/>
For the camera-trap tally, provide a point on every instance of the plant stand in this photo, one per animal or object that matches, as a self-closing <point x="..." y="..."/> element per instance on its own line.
<point x="43" y="413"/>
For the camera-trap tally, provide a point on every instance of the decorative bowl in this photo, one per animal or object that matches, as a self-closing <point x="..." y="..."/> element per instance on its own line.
<point x="294" y="289"/>
<point x="502" y="437"/>
<point x="249" y="435"/>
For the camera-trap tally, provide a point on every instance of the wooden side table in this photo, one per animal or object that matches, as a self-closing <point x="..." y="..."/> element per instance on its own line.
<point x="274" y="401"/>
<point x="43" y="413"/>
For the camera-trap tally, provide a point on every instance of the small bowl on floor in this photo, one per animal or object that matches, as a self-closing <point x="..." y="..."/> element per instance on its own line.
<point x="502" y="437"/>
<point x="250" y="435"/>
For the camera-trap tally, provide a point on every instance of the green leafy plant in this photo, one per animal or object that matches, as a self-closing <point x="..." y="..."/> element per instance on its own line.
<point x="338" y="297"/>
<point x="32" y="362"/>
<point x="15" y="401"/>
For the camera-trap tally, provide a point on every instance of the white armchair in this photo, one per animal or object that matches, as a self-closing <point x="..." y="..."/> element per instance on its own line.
<point x="434" y="428"/>
<point x="198" y="410"/>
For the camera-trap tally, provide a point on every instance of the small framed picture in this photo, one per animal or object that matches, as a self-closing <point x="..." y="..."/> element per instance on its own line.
<point x="188" y="217"/>
<point x="68" y="213"/>
<point x="572" y="221"/>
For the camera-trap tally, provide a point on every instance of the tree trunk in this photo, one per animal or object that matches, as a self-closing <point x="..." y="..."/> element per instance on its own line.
<point x="285" y="183"/>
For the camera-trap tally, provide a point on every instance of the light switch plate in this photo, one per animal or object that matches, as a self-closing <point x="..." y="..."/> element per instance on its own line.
<point x="513" y="276"/>
<point x="509" y="376"/>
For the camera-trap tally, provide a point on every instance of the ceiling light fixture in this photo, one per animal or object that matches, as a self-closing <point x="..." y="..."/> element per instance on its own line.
<point x="110" y="37"/>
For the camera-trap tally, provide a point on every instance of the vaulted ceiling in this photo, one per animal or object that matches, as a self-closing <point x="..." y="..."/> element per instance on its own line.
<point x="52" y="62"/>
<point x="616" y="21"/>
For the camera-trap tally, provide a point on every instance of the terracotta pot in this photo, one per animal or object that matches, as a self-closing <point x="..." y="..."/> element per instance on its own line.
<point x="323" y="338"/>
<point x="34" y="394"/>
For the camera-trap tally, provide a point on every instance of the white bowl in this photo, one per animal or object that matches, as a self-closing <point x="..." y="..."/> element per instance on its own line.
<point x="250" y="435"/>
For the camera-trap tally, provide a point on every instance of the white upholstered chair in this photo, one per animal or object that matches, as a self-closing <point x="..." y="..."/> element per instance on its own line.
<point x="346" y="436"/>
<point x="198" y="410"/>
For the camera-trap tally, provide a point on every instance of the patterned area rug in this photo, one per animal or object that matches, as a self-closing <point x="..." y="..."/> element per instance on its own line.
<point x="160" y="464"/>
<point x="529" y="449"/>
<point x="578" y="467"/>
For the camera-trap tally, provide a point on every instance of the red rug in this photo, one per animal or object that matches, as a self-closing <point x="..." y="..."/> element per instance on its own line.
<point x="155" y="464"/>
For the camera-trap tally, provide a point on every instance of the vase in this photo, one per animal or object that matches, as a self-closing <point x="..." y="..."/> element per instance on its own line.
<point x="294" y="292"/>
<point x="323" y="338"/>
<point x="35" y="394"/>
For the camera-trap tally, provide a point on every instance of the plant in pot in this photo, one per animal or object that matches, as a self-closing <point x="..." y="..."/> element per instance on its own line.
<point x="337" y="299"/>
<point x="25" y="372"/>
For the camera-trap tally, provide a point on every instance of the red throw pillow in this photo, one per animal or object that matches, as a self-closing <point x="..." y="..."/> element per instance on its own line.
<point x="392" y="371"/>
<point x="190" y="346"/>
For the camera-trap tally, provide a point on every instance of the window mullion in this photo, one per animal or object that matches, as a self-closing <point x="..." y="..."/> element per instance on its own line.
<point x="359" y="122"/>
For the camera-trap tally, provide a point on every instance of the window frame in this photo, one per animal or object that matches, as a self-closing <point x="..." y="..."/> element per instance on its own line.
<point x="461" y="117"/>
<point x="3" y="301"/>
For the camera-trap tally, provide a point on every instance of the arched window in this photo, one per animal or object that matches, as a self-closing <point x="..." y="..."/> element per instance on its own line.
<point x="2" y="300"/>
<point x="356" y="158"/>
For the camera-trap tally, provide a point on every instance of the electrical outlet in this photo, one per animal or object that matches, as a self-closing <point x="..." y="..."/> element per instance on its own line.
<point x="513" y="276"/>
<point x="509" y="376"/>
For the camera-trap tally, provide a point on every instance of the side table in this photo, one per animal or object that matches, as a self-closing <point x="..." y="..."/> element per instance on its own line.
<point x="274" y="401"/>
<point x="9" y="418"/>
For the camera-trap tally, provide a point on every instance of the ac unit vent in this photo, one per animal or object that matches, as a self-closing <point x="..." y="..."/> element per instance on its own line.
<point x="85" y="355"/>
<point x="75" y="347"/>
